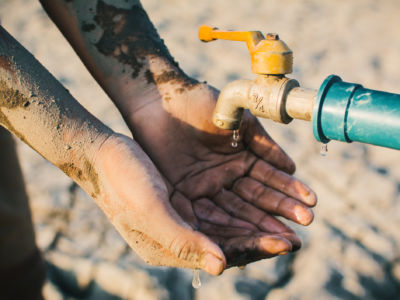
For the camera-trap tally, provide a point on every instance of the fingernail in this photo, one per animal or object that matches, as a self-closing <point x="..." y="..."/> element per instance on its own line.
<point x="212" y="264"/>
<point x="309" y="217"/>
<point x="282" y="247"/>
<point x="311" y="199"/>
<point x="284" y="253"/>
<point x="303" y="215"/>
<point x="276" y="245"/>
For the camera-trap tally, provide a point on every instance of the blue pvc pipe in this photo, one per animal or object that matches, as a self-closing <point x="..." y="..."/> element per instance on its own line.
<point x="349" y="112"/>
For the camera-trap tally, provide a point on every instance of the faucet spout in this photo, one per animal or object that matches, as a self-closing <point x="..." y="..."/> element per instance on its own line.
<point x="232" y="100"/>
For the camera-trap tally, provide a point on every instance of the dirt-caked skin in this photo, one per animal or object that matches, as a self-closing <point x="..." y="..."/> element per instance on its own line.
<point x="214" y="205"/>
<point x="41" y="112"/>
<point x="120" y="46"/>
<point x="230" y="195"/>
<point x="109" y="167"/>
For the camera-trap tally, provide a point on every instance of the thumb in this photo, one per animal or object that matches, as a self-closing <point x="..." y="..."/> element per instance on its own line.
<point x="192" y="248"/>
<point x="198" y="251"/>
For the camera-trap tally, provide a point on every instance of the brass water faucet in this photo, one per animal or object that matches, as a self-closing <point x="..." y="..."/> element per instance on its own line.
<point x="271" y="95"/>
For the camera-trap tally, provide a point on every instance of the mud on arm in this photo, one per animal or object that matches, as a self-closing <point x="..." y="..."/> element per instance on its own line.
<point x="121" y="48"/>
<point x="35" y="107"/>
<point x="110" y="167"/>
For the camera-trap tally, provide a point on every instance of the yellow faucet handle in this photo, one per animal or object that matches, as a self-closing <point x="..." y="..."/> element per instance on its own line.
<point x="269" y="55"/>
<point x="208" y="34"/>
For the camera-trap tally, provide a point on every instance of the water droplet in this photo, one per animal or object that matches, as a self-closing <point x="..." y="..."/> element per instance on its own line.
<point x="196" y="283"/>
<point x="324" y="149"/>
<point x="235" y="137"/>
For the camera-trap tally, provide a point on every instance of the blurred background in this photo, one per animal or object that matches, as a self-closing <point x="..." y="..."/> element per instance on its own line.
<point x="351" y="251"/>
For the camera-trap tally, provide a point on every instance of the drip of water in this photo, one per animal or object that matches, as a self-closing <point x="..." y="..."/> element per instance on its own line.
<point x="324" y="149"/>
<point x="235" y="137"/>
<point x="196" y="283"/>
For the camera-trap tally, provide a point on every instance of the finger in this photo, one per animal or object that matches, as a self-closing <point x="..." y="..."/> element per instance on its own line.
<point x="244" y="210"/>
<point x="224" y="231"/>
<point x="281" y="181"/>
<point x="262" y="144"/>
<point x="243" y="250"/>
<point x="273" y="201"/>
<point x="206" y="210"/>
<point x="184" y="208"/>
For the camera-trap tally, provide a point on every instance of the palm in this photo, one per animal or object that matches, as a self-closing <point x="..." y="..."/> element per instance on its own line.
<point x="229" y="194"/>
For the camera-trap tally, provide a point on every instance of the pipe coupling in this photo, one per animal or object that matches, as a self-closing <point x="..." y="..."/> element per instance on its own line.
<point x="267" y="97"/>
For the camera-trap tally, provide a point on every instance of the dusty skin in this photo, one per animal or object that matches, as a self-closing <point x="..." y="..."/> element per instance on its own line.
<point x="56" y="126"/>
<point x="229" y="195"/>
<point x="42" y="113"/>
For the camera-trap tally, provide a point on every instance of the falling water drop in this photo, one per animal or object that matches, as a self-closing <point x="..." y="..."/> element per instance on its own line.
<point x="235" y="137"/>
<point x="324" y="149"/>
<point x="196" y="283"/>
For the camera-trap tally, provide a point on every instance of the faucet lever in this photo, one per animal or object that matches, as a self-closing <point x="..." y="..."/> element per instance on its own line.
<point x="208" y="34"/>
<point x="269" y="56"/>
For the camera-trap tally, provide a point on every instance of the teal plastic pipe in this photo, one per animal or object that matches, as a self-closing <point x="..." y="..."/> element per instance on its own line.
<point x="349" y="112"/>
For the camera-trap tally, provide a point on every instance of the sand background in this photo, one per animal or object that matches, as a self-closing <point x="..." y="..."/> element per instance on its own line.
<point x="351" y="251"/>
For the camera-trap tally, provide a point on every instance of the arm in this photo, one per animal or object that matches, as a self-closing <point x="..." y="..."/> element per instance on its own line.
<point x="41" y="112"/>
<point x="111" y="168"/>
<point x="120" y="47"/>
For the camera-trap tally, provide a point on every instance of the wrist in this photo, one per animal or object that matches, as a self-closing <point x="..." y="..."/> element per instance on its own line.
<point x="121" y="48"/>
<point x="125" y="175"/>
<point x="81" y="153"/>
<point x="156" y="83"/>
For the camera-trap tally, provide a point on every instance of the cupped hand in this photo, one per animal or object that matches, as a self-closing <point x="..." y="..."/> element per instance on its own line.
<point x="135" y="198"/>
<point x="231" y="195"/>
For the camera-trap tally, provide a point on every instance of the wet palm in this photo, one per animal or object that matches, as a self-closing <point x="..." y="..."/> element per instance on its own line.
<point x="229" y="194"/>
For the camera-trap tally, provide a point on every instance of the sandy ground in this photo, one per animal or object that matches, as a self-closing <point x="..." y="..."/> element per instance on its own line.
<point x="352" y="250"/>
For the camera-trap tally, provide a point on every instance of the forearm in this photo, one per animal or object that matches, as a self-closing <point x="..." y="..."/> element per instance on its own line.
<point x="120" y="47"/>
<point x="41" y="112"/>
